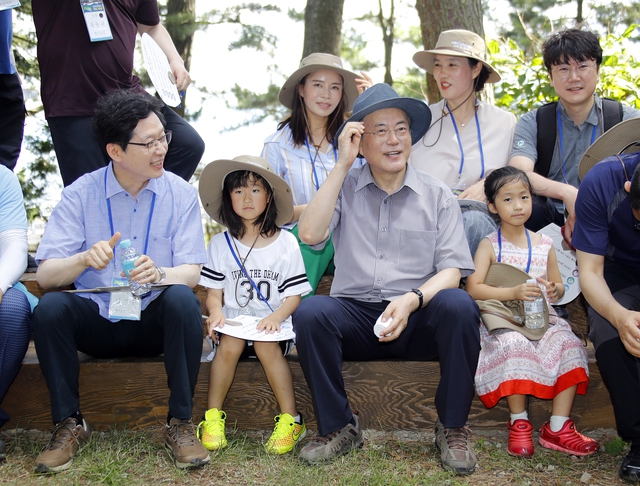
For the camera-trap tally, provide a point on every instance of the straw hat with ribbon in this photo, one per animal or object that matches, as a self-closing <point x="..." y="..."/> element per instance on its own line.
<point x="509" y="314"/>
<point x="623" y="138"/>
<point x="460" y="43"/>
<point x="317" y="62"/>
<point x="212" y="179"/>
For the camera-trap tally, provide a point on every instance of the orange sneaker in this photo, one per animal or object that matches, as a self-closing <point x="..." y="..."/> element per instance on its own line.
<point x="567" y="440"/>
<point x="520" y="439"/>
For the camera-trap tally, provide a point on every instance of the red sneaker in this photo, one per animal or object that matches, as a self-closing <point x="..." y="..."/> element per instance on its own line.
<point x="567" y="440"/>
<point x="520" y="439"/>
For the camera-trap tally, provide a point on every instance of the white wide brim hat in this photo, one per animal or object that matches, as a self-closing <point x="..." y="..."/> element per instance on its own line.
<point x="318" y="62"/>
<point x="459" y="43"/>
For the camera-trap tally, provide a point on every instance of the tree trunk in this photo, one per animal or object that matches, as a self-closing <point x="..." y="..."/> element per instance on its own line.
<point x="438" y="15"/>
<point x="181" y="24"/>
<point x="388" y="33"/>
<point x="322" y="27"/>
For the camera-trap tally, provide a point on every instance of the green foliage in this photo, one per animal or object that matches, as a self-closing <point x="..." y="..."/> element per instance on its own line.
<point x="525" y="82"/>
<point x="34" y="179"/>
<point x="252" y="36"/>
<point x="615" y="446"/>
<point x="260" y="105"/>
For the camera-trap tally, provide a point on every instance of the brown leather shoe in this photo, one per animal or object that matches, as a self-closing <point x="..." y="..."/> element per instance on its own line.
<point x="66" y="439"/>
<point x="181" y="441"/>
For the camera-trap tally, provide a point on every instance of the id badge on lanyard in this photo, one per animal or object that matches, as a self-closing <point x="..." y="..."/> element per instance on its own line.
<point x="123" y="304"/>
<point x="95" y="16"/>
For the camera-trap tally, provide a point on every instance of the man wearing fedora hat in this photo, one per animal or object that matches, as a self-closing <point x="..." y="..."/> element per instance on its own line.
<point x="400" y="252"/>
<point x="607" y="240"/>
<point x="572" y="58"/>
<point x="132" y="198"/>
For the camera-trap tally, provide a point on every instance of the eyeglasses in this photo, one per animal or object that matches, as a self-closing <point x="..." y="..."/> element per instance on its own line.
<point x="582" y="70"/>
<point x="383" y="134"/>
<point x="165" y="140"/>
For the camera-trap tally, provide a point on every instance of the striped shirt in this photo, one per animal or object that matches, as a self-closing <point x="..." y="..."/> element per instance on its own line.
<point x="294" y="164"/>
<point x="388" y="244"/>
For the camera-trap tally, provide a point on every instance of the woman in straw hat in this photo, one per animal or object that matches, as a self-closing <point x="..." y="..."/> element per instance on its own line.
<point x="304" y="149"/>
<point x="468" y="138"/>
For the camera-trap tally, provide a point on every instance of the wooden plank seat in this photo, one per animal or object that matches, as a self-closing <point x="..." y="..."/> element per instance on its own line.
<point x="389" y="394"/>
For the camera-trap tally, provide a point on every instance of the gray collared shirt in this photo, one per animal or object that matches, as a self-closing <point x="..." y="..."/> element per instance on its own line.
<point x="385" y="245"/>
<point x="575" y="140"/>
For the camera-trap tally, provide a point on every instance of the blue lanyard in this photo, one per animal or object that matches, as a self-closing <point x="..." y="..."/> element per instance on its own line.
<point x="528" y="243"/>
<point x="559" y="125"/>
<point x="153" y="203"/>
<point x="244" y="271"/>
<point x="455" y="127"/>
<point x="316" y="182"/>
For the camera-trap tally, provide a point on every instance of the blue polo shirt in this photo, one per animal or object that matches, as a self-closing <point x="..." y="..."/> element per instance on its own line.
<point x="604" y="224"/>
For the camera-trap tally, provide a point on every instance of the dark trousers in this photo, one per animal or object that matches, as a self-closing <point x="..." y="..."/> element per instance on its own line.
<point x="78" y="151"/>
<point x="11" y="119"/>
<point x="65" y="323"/>
<point x="620" y="370"/>
<point x="332" y="330"/>
<point x="544" y="212"/>
<point x="15" y="330"/>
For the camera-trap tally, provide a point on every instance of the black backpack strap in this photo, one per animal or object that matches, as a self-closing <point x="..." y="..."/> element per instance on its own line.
<point x="611" y="113"/>
<point x="546" y="141"/>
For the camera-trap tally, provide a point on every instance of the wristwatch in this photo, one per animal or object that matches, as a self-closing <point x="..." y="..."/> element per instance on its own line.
<point x="420" y="297"/>
<point x="162" y="273"/>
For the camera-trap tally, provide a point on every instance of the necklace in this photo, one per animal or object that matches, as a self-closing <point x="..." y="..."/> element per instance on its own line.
<point x="245" y="299"/>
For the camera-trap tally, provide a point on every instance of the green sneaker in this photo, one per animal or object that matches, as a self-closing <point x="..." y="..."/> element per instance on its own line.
<point x="286" y="434"/>
<point x="211" y="431"/>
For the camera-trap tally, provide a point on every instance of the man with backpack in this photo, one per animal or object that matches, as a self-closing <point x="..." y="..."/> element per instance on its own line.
<point x="549" y="142"/>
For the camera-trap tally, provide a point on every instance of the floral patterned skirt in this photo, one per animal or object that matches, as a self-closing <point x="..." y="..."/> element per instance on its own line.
<point x="511" y="364"/>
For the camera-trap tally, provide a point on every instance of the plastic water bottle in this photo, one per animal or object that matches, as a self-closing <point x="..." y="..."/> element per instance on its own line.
<point x="534" y="310"/>
<point x="129" y="256"/>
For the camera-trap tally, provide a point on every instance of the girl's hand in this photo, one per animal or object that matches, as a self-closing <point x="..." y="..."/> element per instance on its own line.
<point x="216" y="319"/>
<point x="527" y="291"/>
<point x="553" y="291"/>
<point x="363" y="82"/>
<point x="269" y="325"/>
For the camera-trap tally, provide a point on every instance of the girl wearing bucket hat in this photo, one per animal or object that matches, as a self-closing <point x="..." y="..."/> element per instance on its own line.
<point x="517" y="360"/>
<point x="257" y="270"/>
<point x="468" y="138"/>
<point x="305" y="148"/>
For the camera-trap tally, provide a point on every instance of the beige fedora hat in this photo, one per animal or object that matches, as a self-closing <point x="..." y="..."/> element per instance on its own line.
<point x="510" y="314"/>
<point x="623" y="138"/>
<point x="317" y="62"/>
<point x="212" y="179"/>
<point x="457" y="42"/>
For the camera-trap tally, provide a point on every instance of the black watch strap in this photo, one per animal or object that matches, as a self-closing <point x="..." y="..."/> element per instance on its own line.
<point x="420" y="296"/>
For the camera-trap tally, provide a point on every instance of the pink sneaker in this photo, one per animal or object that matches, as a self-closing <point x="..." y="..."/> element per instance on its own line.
<point x="520" y="439"/>
<point x="567" y="440"/>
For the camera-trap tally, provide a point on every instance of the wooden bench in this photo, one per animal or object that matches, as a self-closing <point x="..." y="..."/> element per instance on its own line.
<point x="389" y="394"/>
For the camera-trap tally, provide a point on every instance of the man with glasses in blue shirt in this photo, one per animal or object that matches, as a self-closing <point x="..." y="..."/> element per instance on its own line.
<point x="572" y="58"/>
<point x="132" y="198"/>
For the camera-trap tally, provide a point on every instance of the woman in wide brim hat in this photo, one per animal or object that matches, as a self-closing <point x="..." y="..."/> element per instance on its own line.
<point x="305" y="148"/>
<point x="468" y="138"/>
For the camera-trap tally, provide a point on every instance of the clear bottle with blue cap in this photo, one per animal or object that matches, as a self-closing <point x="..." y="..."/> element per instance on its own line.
<point x="534" y="310"/>
<point x="128" y="256"/>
